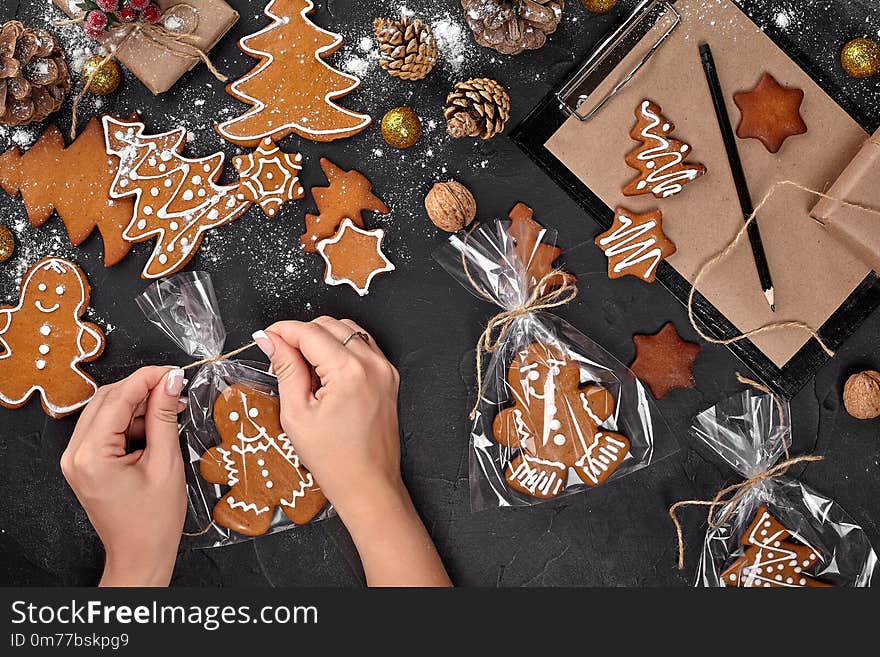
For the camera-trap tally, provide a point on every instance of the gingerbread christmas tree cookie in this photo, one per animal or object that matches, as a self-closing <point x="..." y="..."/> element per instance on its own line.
<point x="177" y="199"/>
<point x="43" y="340"/>
<point x="770" y="559"/>
<point x="659" y="159"/>
<point x="635" y="244"/>
<point x="74" y="182"/>
<point x="354" y="257"/>
<point x="256" y="459"/>
<point x="292" y="89"/>
<point x="269" y="177"/>
<point x="664" y="361"/>
<point x="556" y="424"/>
<point x="347" y="196"/>
<point x="770" y="113"/>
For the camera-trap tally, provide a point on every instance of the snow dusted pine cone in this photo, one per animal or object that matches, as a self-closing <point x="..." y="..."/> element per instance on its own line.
<point x="476" y="108"/>
<point x="34" y="78"/>
<point x="407" y="48"/>
<point x="511" y="26"/>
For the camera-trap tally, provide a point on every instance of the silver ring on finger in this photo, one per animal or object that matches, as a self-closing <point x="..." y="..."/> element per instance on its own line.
<point x="360" y="334"/>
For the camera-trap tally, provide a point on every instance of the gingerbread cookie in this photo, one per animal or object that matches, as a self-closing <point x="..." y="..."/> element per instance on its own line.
<point x="664" y="361"/>
<point x="73" y="181"/>
<point x="534" y="254"/>
<point x="556" y="424"/>
<point x="771" y="113"/>
<point x="269" y="177"/>
<point x="292" y="89"/>
<point x="659" y="159"/>
<point x="256" y="459"/>
<point x="635" y="244"/>
<point x="354" y="257"/>
<point x="769" y="559"/>
<point x="346" y="197"/>
<point x="176" y="199"/>
<point x="43" y="340"/>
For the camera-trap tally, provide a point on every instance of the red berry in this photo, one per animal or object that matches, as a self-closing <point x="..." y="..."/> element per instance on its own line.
<point x="151" y="14"/>
<point x="97" y="20"/>
<point x="108" y="5"/>
<point x="127" y="14"/>
<point x="139" y="4"/>
<point x="93" y="32"/>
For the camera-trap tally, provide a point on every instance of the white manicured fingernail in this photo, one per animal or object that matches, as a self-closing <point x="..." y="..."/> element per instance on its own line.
<point x="175" y="382"/>
<point x="264" y="343"/>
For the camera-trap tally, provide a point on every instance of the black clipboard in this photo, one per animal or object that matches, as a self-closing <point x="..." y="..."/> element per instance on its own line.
<point x="545" y="119"/>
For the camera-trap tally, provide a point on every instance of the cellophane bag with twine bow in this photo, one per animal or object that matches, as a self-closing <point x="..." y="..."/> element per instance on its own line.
<point x="243" y="477"/>
<point x="775" y="532"/>
<point x="556" y="414"/>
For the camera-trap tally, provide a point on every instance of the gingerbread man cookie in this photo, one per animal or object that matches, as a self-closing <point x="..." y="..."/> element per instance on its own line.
<point x="770" y="560"/>
<point x="556" y="425"/>
<point x="659" y="159"/>
<point x="257" y="461"/>
<point x="43" y="340"/>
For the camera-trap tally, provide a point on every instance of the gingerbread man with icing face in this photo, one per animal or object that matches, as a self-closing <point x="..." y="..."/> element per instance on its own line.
<point x="556" y="425"/>
<point x="43" y="340"/>
<point x="259" y="464"/>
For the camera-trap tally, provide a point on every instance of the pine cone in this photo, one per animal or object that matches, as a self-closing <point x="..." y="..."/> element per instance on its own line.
<point x="407" y="48"/>
<point x="511" y="26"/>
<point x="34" y="77"/>
<point x="477" y="108"/>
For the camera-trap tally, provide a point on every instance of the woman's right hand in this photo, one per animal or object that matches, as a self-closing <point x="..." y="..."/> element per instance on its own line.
<point x="344" y="427"/>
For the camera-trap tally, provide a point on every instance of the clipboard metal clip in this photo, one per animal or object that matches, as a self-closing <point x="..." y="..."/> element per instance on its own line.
<point x="575" y="93"/>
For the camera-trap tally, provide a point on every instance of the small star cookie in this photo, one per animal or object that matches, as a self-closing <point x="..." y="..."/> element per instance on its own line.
<point x="770" y="113"/>
<point x="635" y="244"/>
<point x="664" y="361"/>
<point x="269" y="177"/>
<point x="354" y="257"/>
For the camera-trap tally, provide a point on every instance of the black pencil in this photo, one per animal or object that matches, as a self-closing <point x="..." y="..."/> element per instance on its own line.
<point x="739" y="176"/>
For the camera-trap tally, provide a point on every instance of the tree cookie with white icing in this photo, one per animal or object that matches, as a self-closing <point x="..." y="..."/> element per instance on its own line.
<point x="556" y="424"/>
<point x="258" y="462"/>
<point x="43" y="341"/>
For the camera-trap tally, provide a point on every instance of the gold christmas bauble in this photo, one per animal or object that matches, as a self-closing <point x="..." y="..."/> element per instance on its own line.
<point x="860" y="58"/>
<point x="401" y="127"/>
<point x="599" y="6"/>
<point x="7" y="244"/>
<point x="107" y="75"/>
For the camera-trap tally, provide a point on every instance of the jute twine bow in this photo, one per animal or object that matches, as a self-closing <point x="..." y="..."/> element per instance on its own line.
<point x="711" y="262"/>
<point x="173" y="43"/>
<point x="730" y="496"/>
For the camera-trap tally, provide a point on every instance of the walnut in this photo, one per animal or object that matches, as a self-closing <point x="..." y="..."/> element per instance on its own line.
<point x="861" y="395"/>
<point x="450" y="206"/>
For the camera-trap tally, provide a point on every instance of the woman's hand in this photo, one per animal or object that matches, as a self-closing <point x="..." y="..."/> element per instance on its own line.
<point x="344" y="427"/>
<point x="137" y="501"/>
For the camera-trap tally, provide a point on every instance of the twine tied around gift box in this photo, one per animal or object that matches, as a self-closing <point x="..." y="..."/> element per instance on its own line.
<point x="738" y="238"/>
<point x="496" y="328"/>
<point x="173" y="42"/>
<point x="730" y="496"/>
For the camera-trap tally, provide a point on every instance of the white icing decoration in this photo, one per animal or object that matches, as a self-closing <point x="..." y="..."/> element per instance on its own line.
<point x="233" y="416"/>
<point x="360" y="121"/>
<point x="635" y="243"/>
<point x="43" y="349"/>
<point x="330" y="276"/>
<point x="45" y="329"/>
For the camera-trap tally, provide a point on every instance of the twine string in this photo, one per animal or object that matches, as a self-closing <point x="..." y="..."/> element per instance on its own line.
<point x="217" y="359"/>
<point x="711" y="262"/>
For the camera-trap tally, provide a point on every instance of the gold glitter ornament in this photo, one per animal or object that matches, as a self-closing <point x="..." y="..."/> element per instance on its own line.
<point x="860" y="58"/>
<point x="107" y="77"/>
<point x="7" y="244"/>
<point x="599" y="6"/>
<point x="401" y="127"/>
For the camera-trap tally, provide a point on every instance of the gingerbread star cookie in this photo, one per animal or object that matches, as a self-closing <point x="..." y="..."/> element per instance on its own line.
<point x="354" y="257"/>
<point x="770" y="559"/>
<point x="635" y="244"/>
<point x="770" y="113"/>
<point x="347" y="196"/>
<point x="534" y="254"/>
<point x="659" y="159"/>
<point x="664" y="361"/>
<point x="269" y="177"/>
<point x="43" y="340"/>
